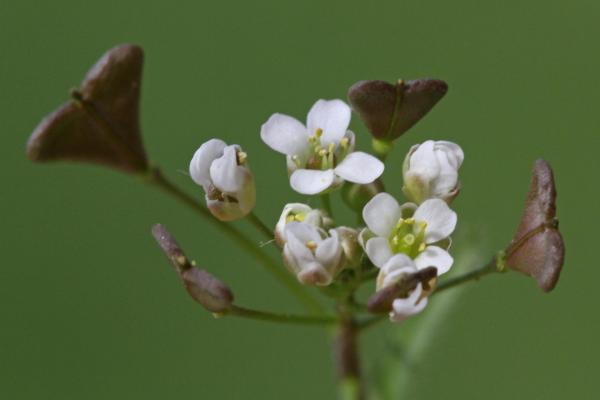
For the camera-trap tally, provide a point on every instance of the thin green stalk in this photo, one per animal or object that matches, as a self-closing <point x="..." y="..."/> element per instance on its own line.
<point x="326" y="202"/>
<point x="157" y="179"/>
<point x="475" y="274"/>
<point x="281" y="318"/>
<point x="260" y="225"/>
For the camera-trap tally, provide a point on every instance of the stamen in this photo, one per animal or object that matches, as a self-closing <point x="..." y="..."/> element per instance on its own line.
<point x="319" y="132"/>
<point x="241" y="157"/>
<point x="311" y="245"/>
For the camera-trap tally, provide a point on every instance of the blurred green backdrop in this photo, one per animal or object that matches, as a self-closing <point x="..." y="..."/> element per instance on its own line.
<point x="89" y="307"/>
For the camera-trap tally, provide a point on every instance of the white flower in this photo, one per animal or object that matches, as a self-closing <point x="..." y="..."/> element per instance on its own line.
<point x="391" y="273"/>
<point x="431" y="171"/>
<point x="224" y="175"/>
<point x="320" y="155"/>
<point x="409" y="230"/>
<point x="298" y="212"/>
<point x="312" y="256"/>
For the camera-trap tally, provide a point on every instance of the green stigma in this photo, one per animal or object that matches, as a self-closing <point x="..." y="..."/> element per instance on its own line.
<point x="408" y="237"/>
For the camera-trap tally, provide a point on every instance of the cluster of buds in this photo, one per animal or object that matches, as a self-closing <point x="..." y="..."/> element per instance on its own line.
<point x="404" y="244"/>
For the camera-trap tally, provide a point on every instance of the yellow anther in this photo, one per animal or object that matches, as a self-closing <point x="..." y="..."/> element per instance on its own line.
<point x="409" y="221"/>
<point x="241" y="157"/>
<point x="322" y="152"/>
<point x="311" y="245"/>
<point x="330" y="147"/>
<point x="299" y="217"/>
<point x="395" y="240"/>
<point x="344" y="142"/>
<point x="421" y="247"/>
<point x="319" y="132"/>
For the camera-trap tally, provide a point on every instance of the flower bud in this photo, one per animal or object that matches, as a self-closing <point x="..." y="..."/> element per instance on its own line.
<point x="100" y="125"/>
<point x="356" y="196"/>
<point x="430" y="171"/>
<point x="298" y="212"/>
<point x="223" y="173"/>
<point x="207" y="290"/>
<point x="390" y="110"/>
<point x="314" y="257"/>
<point x="349" y="241"/>
<point x="537" y="248"/>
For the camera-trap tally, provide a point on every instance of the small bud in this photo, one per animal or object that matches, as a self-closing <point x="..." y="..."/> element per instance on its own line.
<point x="356" y="196"/>
<point x="537" y="248"/>
<point x="314" y="257"/>
<point x="207" y="290"/>
<point x="430" y="171"/>
<point x="298" y="212"/>
<point x="390" y="110"/>
<point x="349" y="241"/>
<point x="223" y="173"/>
<point x="100" y="125"/>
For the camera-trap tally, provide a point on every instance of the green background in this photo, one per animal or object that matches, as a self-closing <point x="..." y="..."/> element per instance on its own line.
<point x="89" y="308"/>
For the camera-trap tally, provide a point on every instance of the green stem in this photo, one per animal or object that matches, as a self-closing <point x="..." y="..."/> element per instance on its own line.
<point x="347" y="359"/>
<point x="156" y="178"/>
<point x="326" y="202"/>
<point x="261" y="226"/>
<point x="281" y="318"/>
<point x="490" y="267"/>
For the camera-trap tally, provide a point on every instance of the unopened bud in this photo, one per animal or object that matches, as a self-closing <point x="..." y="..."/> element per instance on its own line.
<point x="203" y="287"/>
<point x="537" y="248"/>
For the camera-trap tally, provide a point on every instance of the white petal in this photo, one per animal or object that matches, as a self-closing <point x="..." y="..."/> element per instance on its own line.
<point x="332" y="116"/>
<point x="359" y="167"/>
<point x="404" y="308"/>
<point x="302" y="231"/>
<point x="434" y="256"/>
<point x="453" y="151"/>
<point x="423" y="162"/>
<point x="328" y="253"/>
<point x="399" y="261"/>
<point x="226" y="174"/>
<point x="381" y="214"/>
<point x="203" y="158"/>
<point x="379" y="251"/>
<point x="310" y="181"/>
<point x="297" y="248"/>
<point x="440" y="219"/>
<point x="285" y="134"/>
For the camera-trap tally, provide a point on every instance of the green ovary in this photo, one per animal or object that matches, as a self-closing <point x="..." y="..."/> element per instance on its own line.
<point x="408" y="237"/>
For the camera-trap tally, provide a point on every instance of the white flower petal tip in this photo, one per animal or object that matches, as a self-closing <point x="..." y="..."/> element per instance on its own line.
<point x="381" y="213"/>
<point x="331" y="117"/>
<point x="434" y="256"/>
<point x="431" y="171"/>
<point x="223" y="173"/>
<point x="284" y="134"/>
<point x="359" y="167"/>
<point x="307" y="181"/>
<point x="440" y="219"/>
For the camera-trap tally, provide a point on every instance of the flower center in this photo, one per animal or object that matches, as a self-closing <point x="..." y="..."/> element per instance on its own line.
<point x="408" y="237"/>
<point x="295" y="217"/>
<point x="319" y="156"/>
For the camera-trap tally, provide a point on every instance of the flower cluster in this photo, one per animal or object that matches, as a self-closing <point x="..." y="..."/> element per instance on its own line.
<point x="398" y="239"/>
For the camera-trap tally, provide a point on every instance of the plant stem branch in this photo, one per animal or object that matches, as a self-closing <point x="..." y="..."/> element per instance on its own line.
<point x="490" y="267"/>
<point x="281" y="318"/>
<point x="347" y="360"/>
<point x="326" y="202"/>
<point x="156" y="178"/>
<point x="260" y="225"/>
